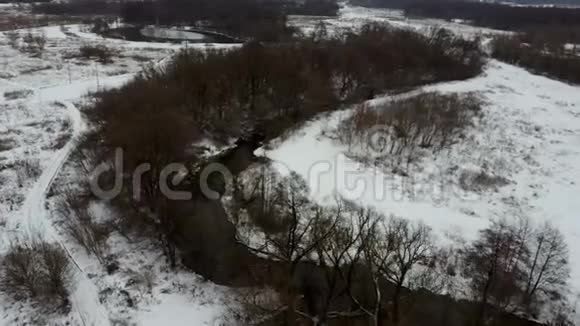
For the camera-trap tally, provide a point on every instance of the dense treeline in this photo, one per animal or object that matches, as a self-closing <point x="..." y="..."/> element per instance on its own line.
<point x="539" y="55"/>
<point x="492" y="15"/>
<point x="551" y="36"/>
<point x="180" y="11"/>
<point x="349" y="265"/>
<point x="78" y="8"/>
<point x="242" y="18"/>
<point x="260" y="89"/>
<point x="23" y="1"/>
<point x="541" y="44"/>
<point x="573" y="3"/>
<point x="393" y="4"/>
<point x="264" y="21"/>
<point x="277" y="86"/>
<point x="496" y="15"/>
<point x="169" y="12"/>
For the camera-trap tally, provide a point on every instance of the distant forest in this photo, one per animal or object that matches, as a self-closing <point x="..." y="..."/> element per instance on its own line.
<point x="545" y="2"/>
<point x="23" y="1"/>
<point x="494" y="15"/>
<point x="186" y="10"/>
<point x="179" y="11"/>
<point x="263" y="20"/>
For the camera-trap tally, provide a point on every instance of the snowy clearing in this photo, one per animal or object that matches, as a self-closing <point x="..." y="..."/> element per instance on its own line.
<point x="353" y="17"/>
<point x="529" y="134"/>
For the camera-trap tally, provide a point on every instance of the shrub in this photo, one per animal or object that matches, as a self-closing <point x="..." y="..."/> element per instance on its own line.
<point x="54" y="270"/>
<point x="481" y="181"/>
<point x="28" y="169"/>
<point x="6" y="144"/>
<point x="19" y="94"/>
<point x="102" y="53"/>
<point x="13" y="38"/>
<point x="100" y="25"/>
<point x="60" y="141"/>
<point x="398" y="128"/>
<point x="20" y="275"/>
<point x="81" y="226"/>
<point x="37" y="271"/>
<point x="34" y="44"/>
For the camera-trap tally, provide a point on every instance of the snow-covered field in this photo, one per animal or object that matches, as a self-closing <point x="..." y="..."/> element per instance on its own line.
<point x="352" y="17"/>
<point x="39" y="125"/>
<point x="529" y="134"/>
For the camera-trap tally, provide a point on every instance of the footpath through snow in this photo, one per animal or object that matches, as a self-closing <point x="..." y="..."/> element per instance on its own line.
<point x="34" y="219"/>
<point x="35" y="123"/>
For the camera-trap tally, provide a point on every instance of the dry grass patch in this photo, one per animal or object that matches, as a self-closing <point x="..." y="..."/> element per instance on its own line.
<point x="400" y="128"/>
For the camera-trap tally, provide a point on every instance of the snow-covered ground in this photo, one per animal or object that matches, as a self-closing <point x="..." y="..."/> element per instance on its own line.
<point x="529" y="134"/>
<point x="353" y="17"/>
<point x="39" y="126"/>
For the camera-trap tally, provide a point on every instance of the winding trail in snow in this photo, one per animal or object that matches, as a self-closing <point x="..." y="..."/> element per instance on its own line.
<point x="36" y="223"/>
<point x="33" y="220"/>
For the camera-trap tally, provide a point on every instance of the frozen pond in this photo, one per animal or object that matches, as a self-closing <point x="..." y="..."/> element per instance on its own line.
<point x="171" y="34"/>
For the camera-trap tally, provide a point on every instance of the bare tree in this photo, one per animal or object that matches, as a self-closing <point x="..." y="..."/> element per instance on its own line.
<point x="349" y="270"/>
<point x="367" y="253"/>
<point x="369" y="236"/>
<point x="302" y="229"/>
<point x="548" y="267"/>
<point x="81" y="226"/>
<point x="495" y="264"/>
<point x="515" y="267"/>
<point x="300" y="220"/>
<point x="403" y="247"/>
<point x="363" y="262"/>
